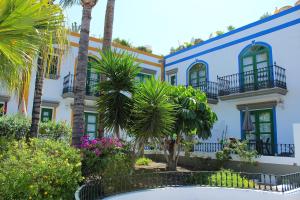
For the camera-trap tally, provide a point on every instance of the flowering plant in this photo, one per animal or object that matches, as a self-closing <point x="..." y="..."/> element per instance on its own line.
<point x="101" y="147"/>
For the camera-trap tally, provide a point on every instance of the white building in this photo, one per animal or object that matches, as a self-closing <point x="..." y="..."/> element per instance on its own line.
<point x="255" y="66"/>
<point x="58" y="96"/>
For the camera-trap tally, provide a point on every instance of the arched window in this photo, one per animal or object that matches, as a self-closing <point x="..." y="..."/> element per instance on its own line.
<point x="255" y="66"/>
<point x="93" y="78"/>
<point x="198" y="75"/>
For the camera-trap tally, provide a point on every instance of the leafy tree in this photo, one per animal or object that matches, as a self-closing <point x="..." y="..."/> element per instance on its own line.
<point x="80" y="81"/>
<point x="193" y="118"/>
<point x="145" y="49"/>
<point x="115" y="103"/>
<point x="230" y="28"/>
<point x="218" y="33"/>
<point x="265" y="15"/>
<point x="122" y="42"/>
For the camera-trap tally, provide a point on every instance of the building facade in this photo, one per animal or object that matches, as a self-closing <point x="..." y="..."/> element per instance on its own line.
<point x="58" y="95"/>
<point x="254" y="67"/>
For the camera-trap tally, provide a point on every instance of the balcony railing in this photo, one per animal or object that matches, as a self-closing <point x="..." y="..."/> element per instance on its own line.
<point x="91" y="85"/>
<point x="262" y="78"/>
<point x="264" y="149"/>
<point x="209" y="88"/>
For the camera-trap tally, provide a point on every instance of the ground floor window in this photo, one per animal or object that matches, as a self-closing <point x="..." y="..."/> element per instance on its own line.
<point x="91" y="124"/>
<point x="262" y="136"/>
<point x="46" y="114"/>
<point x="2" y="109"/>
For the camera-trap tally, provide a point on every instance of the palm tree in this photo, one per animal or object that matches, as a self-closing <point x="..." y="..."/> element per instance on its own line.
<point x="107" y="42"/>
<point x="115" y="103"/>
<point x="80" y="81"/>
<point x="28" y="27"/>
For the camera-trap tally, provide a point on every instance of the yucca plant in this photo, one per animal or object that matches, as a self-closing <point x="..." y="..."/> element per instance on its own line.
<point x="115" y="102"/>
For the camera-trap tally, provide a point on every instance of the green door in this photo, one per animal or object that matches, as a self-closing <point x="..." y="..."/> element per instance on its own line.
<point x="91" y="124"/>
<point x="255" y="68"/>
<point x="262" y="137"/>
<point x="92" y="79"/>
<point x="46" y="114"/>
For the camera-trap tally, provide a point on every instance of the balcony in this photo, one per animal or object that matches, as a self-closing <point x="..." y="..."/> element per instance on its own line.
<point x="91" y="87"/>
<point x="263" y="81"/>
<point x="210" y="89"/>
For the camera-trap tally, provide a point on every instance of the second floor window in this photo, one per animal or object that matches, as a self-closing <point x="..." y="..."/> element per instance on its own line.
<point x="197" y="75"/>
<point x="52" y="68"/>
<point x="172" y="79"/>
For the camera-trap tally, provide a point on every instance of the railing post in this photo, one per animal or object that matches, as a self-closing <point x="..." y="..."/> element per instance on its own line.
<point x="297" y="143"/>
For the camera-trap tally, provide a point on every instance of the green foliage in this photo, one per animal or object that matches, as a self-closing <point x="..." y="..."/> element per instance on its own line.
<point x="227" y="178"/>
<point x="122" y="42"/>
<point x="17" y="126"/>
<point x="143" y="161"/>
<point x="193" y="114"/>
<point x="265" y="15"/>
<point x="186" y="45"/>
<point x="239" y="148"/>
<point x="115" y="102"/>
<point x="145" y="49"/>
<point x="44" y="169"/>
<point x="230" y="28"/>
<point x="218" y="33"/>
<point x="153" y="114"/>
<point x="28" y="27"/>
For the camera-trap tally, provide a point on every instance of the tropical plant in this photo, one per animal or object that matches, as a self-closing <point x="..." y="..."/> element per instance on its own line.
<point x="80" y="81"/>
<point x="193" y="118"/>
<point x="44" y="169"/>
<point x="153" y="115"/>
<point x="115" y="103"/>
<point x="30" y="27"/>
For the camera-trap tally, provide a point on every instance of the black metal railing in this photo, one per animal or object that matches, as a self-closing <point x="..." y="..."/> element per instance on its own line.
<point x="209" y="88"/>
<point x="91" y="85"/>
<point x="264" y="149"/>
<point x="115" y="185"/>
<point x="262" y="78"/>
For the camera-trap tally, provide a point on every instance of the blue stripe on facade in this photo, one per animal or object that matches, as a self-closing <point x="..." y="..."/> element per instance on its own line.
<point x="283" y="13"/>
<point x="250" y="37"/>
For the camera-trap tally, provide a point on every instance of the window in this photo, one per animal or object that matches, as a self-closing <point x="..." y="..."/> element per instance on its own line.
<point x="172" y="78"/>
<point x="46" y="114"/>
<point x="93" y="78"/>
<point x="197" y="75"/>
<point x="91" y="124"/>
<point x="141" y="77"/>
<point x="2" y="109"/>
<point x="263" y="133"/>
<point x="255" y="66"/>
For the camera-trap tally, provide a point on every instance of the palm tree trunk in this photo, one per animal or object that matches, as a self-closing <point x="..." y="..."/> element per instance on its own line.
<point x="80" y="80"/>
<point x="108" y="24"/>
<point x="107" y="42"/>
<point x="37" y="100"/>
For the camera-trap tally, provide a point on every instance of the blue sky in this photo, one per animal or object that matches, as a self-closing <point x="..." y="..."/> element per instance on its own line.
<point x="166" y="23"/>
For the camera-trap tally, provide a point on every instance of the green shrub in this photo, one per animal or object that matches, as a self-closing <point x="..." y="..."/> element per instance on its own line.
<point x="45" y="169"/>
<point x="227" y="178"/>
<point x="17" y="126"/>
<point x="143" y="161"/>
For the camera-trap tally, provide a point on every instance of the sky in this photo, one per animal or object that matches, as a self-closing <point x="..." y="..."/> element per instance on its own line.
<point x="163" y="24"/>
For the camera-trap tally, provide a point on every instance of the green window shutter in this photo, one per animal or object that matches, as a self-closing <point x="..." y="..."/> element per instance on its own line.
<point x="46" y="114"/>
<point x="2" y="107"/>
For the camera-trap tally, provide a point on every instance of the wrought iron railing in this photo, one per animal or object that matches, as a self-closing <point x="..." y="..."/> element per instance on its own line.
<point x="91" y="85"/>
<point x="262" y="78"/>
<point x="264" y="149"/>
<point x="115" y="185"/>
<point x="209" y="88"/>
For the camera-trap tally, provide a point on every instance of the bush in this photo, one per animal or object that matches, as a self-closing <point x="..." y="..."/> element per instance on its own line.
<point x="44" y="169"/>
<point x="17" y="126"/>
<point x="227" y="178"/>
<point x="143" y="161"/>
<point x="105" y="157"/>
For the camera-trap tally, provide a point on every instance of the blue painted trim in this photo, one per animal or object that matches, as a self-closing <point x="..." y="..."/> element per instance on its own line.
<point x="194" y="63"/>
<point x="275" y="128"/>
<point x="275" y="16"/>
<point x="249" y="46"/>
<point x="250" y="37"/>
<point x="241" y="122"/>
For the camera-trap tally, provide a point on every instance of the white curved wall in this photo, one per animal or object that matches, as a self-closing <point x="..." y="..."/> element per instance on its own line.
<point x="199" y="193"/>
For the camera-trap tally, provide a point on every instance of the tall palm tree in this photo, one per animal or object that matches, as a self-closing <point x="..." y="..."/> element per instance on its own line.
<point x="107" y="42"/>
<point x="28" y="27"/>
<point x="115" y="103"/>
<point x="80" y="81"/>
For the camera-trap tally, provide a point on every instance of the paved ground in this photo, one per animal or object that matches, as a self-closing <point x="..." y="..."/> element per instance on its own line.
<point x="154" y="166"/>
